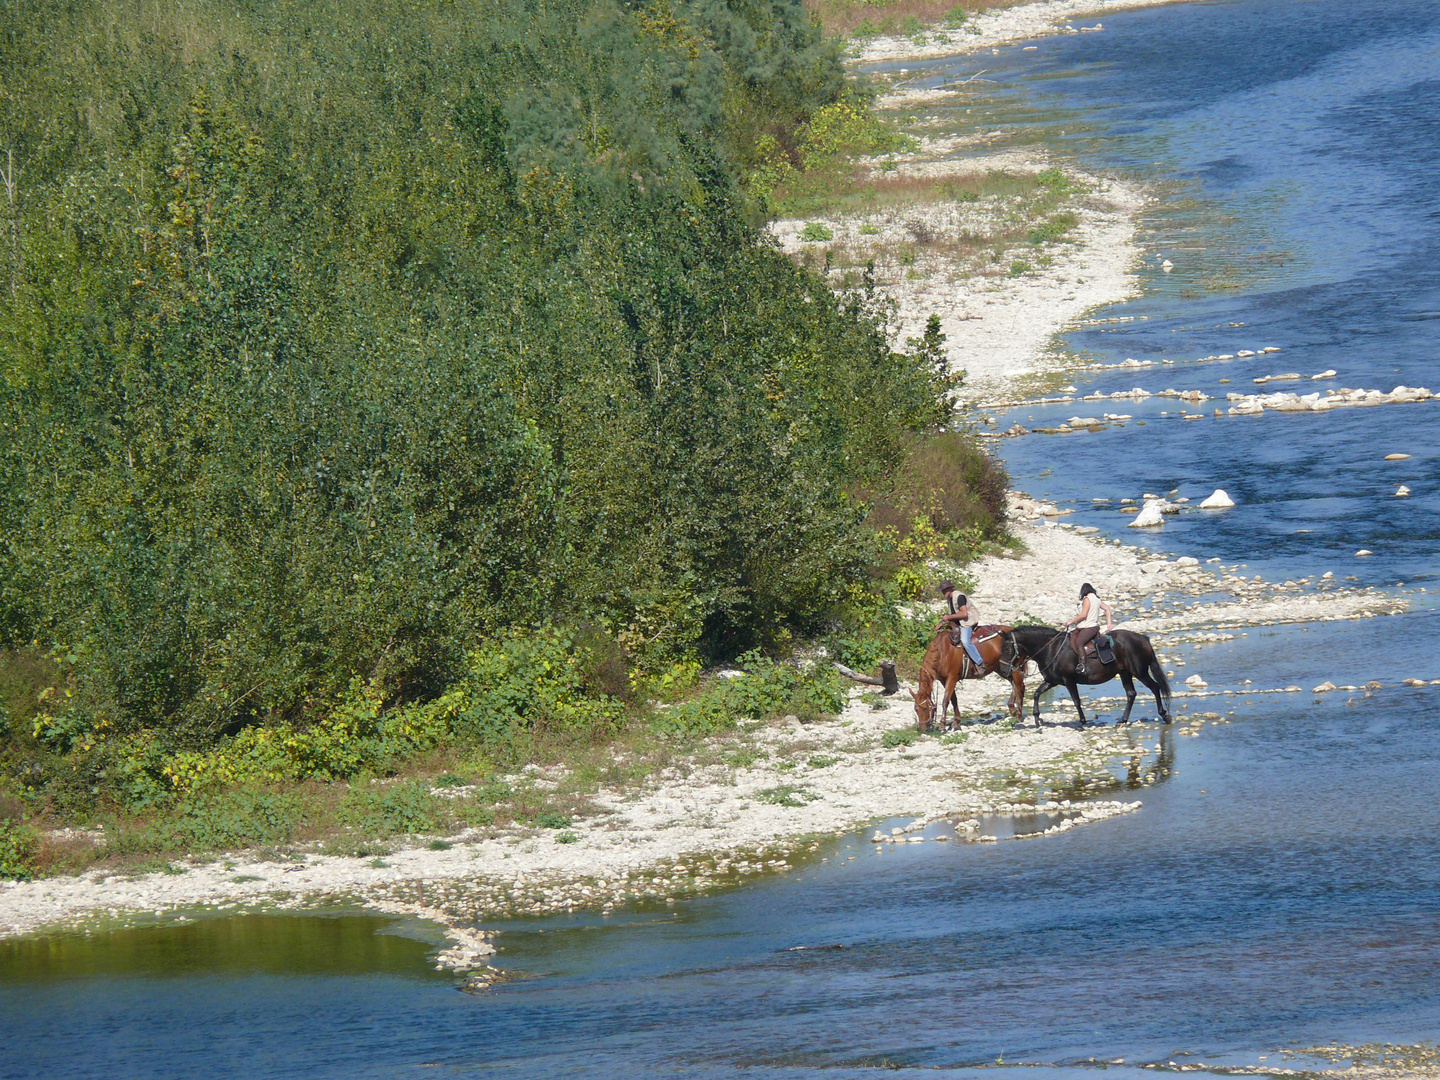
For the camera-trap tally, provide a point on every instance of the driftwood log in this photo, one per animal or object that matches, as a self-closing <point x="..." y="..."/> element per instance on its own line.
<point x="888" y="683"/>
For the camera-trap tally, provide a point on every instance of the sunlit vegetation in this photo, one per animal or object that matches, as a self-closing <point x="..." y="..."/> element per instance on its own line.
<point x="390" y="389"/>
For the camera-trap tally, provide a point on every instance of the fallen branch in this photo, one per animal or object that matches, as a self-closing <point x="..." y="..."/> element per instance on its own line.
<point x="887" y="681"/>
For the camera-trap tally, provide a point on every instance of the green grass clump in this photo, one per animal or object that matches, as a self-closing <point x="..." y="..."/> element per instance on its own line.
<point x="785" y="795"/>
<point x="815" y="231"/>
<point x="906" y="736"/>
<point x="552" y="819"/>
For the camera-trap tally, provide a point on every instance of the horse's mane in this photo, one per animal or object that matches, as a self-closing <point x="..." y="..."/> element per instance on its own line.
<point x="928" y="668"/>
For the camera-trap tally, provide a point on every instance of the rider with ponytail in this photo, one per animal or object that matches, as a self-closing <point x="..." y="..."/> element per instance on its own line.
<point x="1087" y="619"/>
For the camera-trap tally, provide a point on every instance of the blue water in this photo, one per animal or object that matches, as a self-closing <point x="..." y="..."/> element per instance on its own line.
<point x="1296" y="143"/>
<point x="1280" y="886"/>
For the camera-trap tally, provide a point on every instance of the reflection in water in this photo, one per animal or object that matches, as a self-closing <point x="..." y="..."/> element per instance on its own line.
<point x="219" y="946"/>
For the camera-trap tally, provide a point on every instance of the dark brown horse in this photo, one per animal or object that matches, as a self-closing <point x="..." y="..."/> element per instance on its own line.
<point x="1054" y="655"/>
<point x="949" y="663"/>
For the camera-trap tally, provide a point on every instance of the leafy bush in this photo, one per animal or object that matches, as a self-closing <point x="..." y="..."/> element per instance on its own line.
<point x="956" y="17"/>
<point x="552" y="819"/>
<point x="767" y="689"/>
<point x="815" y="231"/>
<point x="235" y="818"/>
<point x="383" y="810"/>
<point x="305" y="381"/>
<point x="899" y="737"/>
<point x="17" y="850"/>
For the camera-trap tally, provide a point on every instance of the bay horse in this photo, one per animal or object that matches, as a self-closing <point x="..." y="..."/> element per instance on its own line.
<point x="950" y="663"/>
<point x="1059" y="666"/>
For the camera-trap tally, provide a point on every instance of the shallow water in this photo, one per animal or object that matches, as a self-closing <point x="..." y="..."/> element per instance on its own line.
<point x="1280" y="886"/>
<point x="1296" y="144"/>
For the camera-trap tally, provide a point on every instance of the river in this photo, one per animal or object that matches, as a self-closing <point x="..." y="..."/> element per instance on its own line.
<point x="1280" y="887"/>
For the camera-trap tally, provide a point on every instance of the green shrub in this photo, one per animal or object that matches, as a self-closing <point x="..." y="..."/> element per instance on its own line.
<point x="17" y="850"/>
<point x="785" y="795"/>
<point x="815" y="231"/>
<point x="235" y="818"/>
<point x="384" y="810"/>
<point x="956" y="17"/>
<point x="552" y="819"/>
<point x="906" y="736"/>
<point x="1019" y="267"/>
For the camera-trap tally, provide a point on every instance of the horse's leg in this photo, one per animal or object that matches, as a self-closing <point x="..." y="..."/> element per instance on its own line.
<point x="1154" y="689"/>
<point x="1044" y="685"/>
<point x="950" y="681"/>
<point x="1129" y="694"/>
<point x="1074" y="689"/>
<point x="1016" y="703"/>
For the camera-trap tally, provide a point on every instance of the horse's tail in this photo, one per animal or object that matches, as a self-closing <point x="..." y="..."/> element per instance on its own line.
<point x="1157" y="672"/>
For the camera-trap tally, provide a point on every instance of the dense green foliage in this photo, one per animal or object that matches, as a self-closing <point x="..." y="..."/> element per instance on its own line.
<point x="336" y="340"/>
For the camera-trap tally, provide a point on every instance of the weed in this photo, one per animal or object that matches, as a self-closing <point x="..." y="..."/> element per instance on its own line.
<point x="956" y="17"/>
<point x="784" y="766"/>
<point x="396" y="808"/>
<point x="439" y="845"/>
<point x="953" y="739"/>
<point x="450" y="780"/>
<point x="816" y="231"/>
<point x="379" y="864"/>
<point x="869" y="229"/>
<point x="822" y="761"/>
<point x="905" y="736"/>
<point x="552" y="819"/>
<point x="1019" y="267"/>
<point x="743" y="757"/>
<point x="17" y="849"/>
<point x="785" y="795"/>
<point x="240" y="879"/>
<point x="566" y="838"/>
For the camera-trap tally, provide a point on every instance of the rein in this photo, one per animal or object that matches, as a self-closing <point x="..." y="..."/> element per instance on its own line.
<point x="1060" y="637"/>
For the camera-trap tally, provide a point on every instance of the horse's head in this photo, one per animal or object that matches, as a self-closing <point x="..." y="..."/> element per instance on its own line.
<point x="924" y="709"/>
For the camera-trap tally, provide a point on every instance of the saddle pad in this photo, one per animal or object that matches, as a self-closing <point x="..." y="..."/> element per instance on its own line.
<point x="987" y="631"/>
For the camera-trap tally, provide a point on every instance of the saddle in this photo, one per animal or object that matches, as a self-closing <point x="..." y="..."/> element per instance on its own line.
<point x="1101" y="646"/>
<point x="979" y="634"/>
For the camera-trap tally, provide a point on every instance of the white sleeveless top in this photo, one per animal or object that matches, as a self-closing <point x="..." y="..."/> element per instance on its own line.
<point x="1093" y="618"/>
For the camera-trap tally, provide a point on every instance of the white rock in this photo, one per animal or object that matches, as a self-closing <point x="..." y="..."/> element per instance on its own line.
<point x="1397" y="457"/>
<point x="1363" y="552"/>
<point x="1186" y="560"/>
<point x="1217" y="500"/>
<point x="1149" y="516"/>
<point x="1402" y="491"/>
<point x="1167" y="266"/>
<point x="1196" y="681"/>
<point x="1327" y="575"/>
<point x="1324" y="688"/>
<point x="1328" y="373"/>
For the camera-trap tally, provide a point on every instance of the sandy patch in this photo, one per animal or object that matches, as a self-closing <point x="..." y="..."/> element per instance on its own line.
<point x="999" y="328"/>
<point x="997" y="28"/>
